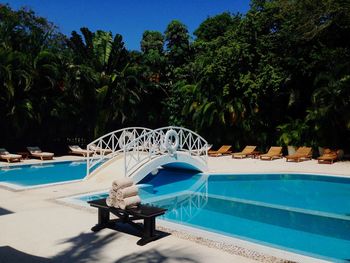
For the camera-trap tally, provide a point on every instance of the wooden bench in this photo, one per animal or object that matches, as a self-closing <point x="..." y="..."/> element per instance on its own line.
<point x="145" y="212"/>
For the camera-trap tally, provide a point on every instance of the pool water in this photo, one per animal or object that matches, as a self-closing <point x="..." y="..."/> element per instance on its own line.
<point x="302" y="213"/>
<point x="41" y="174"/>
<point x="319" y="193"/>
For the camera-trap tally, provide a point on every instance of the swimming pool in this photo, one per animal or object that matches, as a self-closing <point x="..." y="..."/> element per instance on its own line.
<point x="24" y="176"/>
<point x="302" y="213"/>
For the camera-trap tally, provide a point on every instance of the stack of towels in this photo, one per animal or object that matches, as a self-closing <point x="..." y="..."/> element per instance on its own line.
<point x="123" y="194"/>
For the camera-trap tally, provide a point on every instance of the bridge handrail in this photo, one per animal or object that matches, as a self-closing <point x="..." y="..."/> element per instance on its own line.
<point x="108" y="145"/>
<point x="151" y="144"/>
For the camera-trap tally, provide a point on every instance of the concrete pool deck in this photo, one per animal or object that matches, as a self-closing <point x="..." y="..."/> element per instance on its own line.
<point x="35" y="227"/>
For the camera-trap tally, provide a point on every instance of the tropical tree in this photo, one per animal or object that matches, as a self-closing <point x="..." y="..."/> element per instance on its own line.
<point x="16" y="108"/>
<point x="177" y="43"/>
<point x="278" y="73"/>
<point x="25" y="41"/>
<point x="115" y="89"/>
<point x="216" y="26"/>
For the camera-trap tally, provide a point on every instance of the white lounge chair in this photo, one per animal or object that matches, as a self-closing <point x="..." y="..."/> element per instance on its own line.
<point x="9" y="157"/>
<point x="38" y="153"/>
<point x="75" y="149"/>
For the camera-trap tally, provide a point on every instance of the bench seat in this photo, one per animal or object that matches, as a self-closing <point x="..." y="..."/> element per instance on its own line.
<point x="146" y="213"/>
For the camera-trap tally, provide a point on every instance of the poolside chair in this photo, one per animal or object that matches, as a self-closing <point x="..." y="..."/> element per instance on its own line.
<point x="224" y="150"/>
<point x="246" y="151"/>
<point x="75" y="149"/>
<point x="275" y="152"/>
<point x="9" y="157"/>
<point x="328" y="156"/>
<point x="303" y="153"/>
<point x="37" y="153"/>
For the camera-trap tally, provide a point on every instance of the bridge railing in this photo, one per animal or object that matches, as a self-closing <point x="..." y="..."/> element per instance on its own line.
<point x="162" y="141"/>
<point x="111" y="144"/>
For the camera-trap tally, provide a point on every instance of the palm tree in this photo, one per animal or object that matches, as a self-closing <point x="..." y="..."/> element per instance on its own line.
<point x="15" y="99"/>
<point x="114" y="82"/>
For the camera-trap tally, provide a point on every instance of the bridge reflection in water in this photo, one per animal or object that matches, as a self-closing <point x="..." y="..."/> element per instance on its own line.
<point x="184" y="205"/>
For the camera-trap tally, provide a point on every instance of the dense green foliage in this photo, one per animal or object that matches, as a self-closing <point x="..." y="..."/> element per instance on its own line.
<point x="279" y="74"/>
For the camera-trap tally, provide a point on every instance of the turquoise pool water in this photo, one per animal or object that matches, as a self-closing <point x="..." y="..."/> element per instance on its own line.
<point x="302" y="213"/>
<point x="41" y="174"/>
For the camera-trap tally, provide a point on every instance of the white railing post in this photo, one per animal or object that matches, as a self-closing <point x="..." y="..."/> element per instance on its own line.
<point x="124" y="162"/>
<point x="88" y="163"/>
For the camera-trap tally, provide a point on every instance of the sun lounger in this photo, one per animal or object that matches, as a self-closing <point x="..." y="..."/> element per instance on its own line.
<point x="37" y="153"/>
<point x="303" y="153"/>
<point x="246" y="151"/>
<point x="328" y="156"/>
<point x="224" y="150"/>
<point x="275" y="152"/>
<point x="145" y="212"/>
<point x="75" y="149"/>
<point x="9" y="157"/>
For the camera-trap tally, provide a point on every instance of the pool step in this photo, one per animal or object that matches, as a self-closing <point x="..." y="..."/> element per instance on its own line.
<point x="283" y="207"/>
<point x="315" y="222"/>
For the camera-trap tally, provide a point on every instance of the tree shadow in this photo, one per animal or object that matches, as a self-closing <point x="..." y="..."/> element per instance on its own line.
<point x="10" y="254"/>
<point x="154" y="256"/>
<point x="88" y="247"/>
<point x="85" y="247"/>
<point x="4" y="211"/>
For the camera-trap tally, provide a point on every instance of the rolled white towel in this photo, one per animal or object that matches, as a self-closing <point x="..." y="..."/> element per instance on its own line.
<point x="112" y="193"/>
<point x="129" y="202"/>
<point x="127" y="192"/>
<point x="110" y="201"/>
<point x="117" y="203"/>
<point x="122" y="183"/>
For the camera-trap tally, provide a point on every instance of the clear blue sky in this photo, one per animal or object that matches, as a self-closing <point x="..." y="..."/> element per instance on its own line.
<point x="129" y="18"/>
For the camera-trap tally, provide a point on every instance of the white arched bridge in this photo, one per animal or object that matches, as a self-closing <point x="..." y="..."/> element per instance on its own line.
<point x="136" y="152"/>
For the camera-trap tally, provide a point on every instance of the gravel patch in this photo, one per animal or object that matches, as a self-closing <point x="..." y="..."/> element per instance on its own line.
<point x="229" y="248"/>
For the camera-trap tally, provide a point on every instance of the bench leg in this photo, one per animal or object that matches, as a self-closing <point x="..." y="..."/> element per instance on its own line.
<point x="149" y="228"/>
<point x="103" y="220"/>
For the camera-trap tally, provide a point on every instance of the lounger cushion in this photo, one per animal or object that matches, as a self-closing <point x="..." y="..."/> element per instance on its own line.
<point x="11" y="156"/>
<point x="46" y="154"/>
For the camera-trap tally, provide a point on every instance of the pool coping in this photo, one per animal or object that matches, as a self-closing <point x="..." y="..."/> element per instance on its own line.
<point x="39" y="162"/>
<point x="15" y="187"/>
